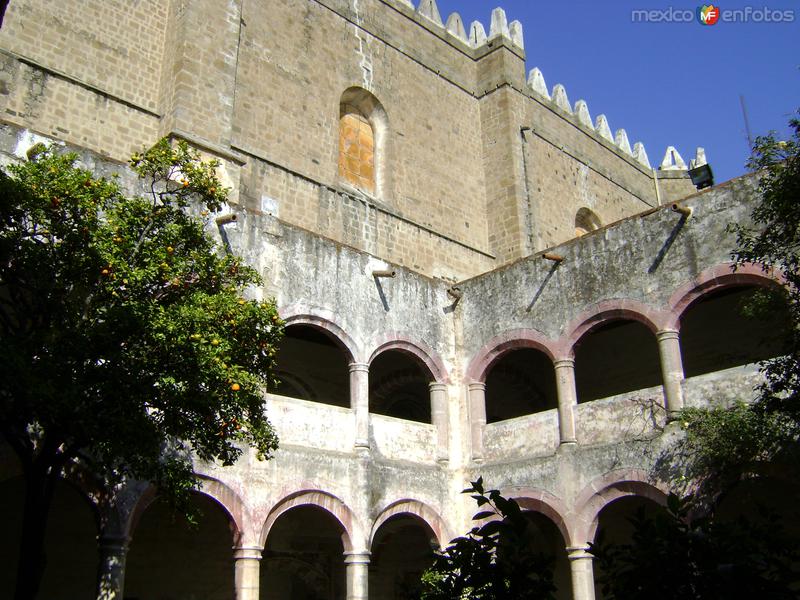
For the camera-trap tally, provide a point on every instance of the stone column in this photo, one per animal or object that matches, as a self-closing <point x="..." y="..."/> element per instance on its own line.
<point x="357" y="566"/>
<point x="669" y="350"/>
<point x="580" y="565"/>
<point x="359" y="402"/>
<point x="440" y="420"/>
<point x="247" y="561"/>
<point x="567" y="399"/>
<point x="477" y="418"/>
<point x="111" y="575"/>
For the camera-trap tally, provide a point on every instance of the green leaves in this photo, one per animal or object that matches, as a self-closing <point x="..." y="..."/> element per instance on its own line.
<point x="677" y="553"/>
<point x="177" y="176"/>
<point x="725" y="445"/>
<point x="673" y="554"/>
<point x="124" y="334"/>
<point x="494" y="560"/>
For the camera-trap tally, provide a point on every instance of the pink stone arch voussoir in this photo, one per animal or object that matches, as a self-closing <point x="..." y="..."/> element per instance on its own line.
<point x="545" y="503"/>
<point x="605" y="312"/>
<point x="501" y="344"/>
<point x="302" y="315"/>
<point x="405" y="343"/>
<point x="603" y="491"/>
<point x="714" y="279"/>
<point x="418" y="509"/>
<point x="327" y="502"/>
<point x="225" y="497"/>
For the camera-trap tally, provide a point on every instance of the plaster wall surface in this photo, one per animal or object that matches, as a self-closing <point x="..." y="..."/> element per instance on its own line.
<point x="479" y="174"/>
<point x="258" y="85"/>
<point x="643" y="259"/>
<point x="642" y="265"/>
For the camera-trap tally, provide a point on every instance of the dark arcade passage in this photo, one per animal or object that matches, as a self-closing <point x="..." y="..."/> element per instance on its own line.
<point x="402" y="549"/>
<point x="70" y="541"/>
<point x="718" y="332"/>
<point x="313" y="366"/>
<point x="522" y="382"/>
<point x="303" y="558"/>
<point x="398" y="387"/>
<point x="172" y="558"/>
<point x="545" y="539"/>
<point x="616" y="357"/>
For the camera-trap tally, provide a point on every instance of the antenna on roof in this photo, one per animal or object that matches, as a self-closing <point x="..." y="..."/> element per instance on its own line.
<point x="746" y="123"/>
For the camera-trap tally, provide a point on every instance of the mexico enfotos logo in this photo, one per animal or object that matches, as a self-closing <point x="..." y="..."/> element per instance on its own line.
<point x="711" y="14"/>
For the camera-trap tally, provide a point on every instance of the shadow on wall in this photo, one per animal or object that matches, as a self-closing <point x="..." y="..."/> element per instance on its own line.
<point x="718" y="332"/>
<point x="398" y="387"/>
<point x="312" y="366"/>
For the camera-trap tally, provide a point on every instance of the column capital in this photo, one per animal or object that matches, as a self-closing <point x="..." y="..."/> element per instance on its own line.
<point x="357" y="557"/>
<point x="477" y="386"/>
<point x="667" y="334"/>
<point x="564" y="362"/>
<point x="358" y="366"/>
<point x="245" y="552"/>
<point x="437" y="386"/>
<point x="113" y="542"/>
<point x="579" y="553"/>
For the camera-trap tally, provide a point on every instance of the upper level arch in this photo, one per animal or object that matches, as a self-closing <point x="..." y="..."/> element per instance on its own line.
<point x="313" y="358"/>
<point x="493" y="350"/>
<point x="713" y="279"/>
<point x="406" y="344"/>
<point x="400" y="374"/>
<point x="324" y="321"/>
<point x="727" y="322"/>
<point x="605" y="312"/>
<point x="615" y="349"/>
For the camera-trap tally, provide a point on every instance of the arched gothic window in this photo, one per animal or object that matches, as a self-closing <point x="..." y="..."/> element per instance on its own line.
<point x="363" y="131"/>
<point x="356" y="149"/>
<point x="586" y="221"/>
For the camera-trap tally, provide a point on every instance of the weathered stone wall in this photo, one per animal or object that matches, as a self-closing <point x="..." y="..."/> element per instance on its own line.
<point x="480" y="169"/>
<point x="461" y="189"/>
<point x="295" y="62"/>
<point x="112" y="45"/>
<point x="645" y="259"/>
<point x="647" y="265"/>
<point x="569" y="168"/>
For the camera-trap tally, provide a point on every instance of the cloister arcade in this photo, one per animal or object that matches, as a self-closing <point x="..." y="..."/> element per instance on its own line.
<point x="311" y="546"/>
<point x="307" y="554"/>
<point x="615" y="350"/>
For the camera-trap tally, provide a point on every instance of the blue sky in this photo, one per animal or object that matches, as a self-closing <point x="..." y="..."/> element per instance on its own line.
<point x="665" y="83"/>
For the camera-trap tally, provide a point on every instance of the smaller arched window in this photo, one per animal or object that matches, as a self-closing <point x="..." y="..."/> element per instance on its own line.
<point x="356" y="148"/>
<point x="363" y="133"/>
<point x="586" y="221"/>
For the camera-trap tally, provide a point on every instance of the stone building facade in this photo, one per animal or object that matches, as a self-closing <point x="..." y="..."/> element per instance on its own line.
<point x="477" y="280"/>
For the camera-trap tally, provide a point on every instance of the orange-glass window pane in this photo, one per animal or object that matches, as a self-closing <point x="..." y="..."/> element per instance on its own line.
<point x="356" y="149"/>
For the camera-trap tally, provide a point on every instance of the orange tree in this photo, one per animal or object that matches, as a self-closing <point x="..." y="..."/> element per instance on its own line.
<point x="126" y="345"/>
<point x="692" y="550"/>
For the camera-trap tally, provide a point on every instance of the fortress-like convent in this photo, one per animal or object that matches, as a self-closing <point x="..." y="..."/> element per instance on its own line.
<point x="479" y="276"/>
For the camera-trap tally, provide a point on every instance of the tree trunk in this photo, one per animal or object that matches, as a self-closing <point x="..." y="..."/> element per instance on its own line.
<point x="39" y="485"/>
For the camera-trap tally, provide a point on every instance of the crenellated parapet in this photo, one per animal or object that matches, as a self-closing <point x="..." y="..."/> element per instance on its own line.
<point x="558" y="99"/>
<point x="475" y="35"/>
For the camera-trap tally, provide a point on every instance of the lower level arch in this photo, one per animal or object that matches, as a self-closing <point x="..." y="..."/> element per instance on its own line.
<point x="327" y="502"/>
